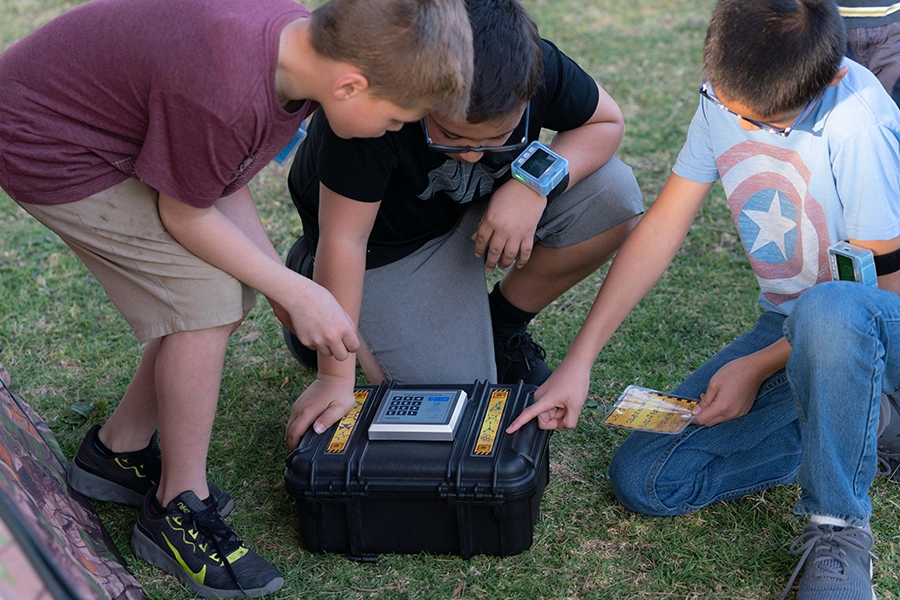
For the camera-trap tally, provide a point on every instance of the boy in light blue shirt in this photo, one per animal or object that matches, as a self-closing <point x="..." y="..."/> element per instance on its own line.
<point x="807" y="146"/>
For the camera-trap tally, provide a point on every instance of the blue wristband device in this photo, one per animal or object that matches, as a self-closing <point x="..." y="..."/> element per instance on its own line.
<point x="540" y="168"/>
<point x="852" y="263"/>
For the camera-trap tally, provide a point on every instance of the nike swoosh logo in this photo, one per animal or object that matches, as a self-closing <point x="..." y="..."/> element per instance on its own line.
<point x="199" y="576"/>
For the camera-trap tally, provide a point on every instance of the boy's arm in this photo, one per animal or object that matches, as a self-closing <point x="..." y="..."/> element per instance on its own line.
<point x="514" y="209"/>
<point x="226" y="236"/>
<point x="241" y="210"/>
<point x="640" y="263"/>
<point x="344" y="228"/>
<point x="732" y="390"/>
<point x="891" y="281"/>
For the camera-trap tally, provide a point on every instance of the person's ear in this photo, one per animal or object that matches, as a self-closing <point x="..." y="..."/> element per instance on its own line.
<point x="349" y="85"/>
<point x="838" y="76"/>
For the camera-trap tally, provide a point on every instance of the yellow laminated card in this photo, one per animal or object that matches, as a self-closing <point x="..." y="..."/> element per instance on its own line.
<point x="649" y="410"/>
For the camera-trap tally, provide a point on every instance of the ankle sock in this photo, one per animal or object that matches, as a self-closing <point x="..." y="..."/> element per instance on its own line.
<point x="504" y="315"/>
<point x="823" y="520"/>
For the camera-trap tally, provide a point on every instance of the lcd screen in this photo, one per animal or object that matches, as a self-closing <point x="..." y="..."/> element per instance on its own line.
<point x="538" y="163"/>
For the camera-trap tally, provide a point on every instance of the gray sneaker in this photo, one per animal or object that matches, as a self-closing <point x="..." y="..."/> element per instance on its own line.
<point x="838" y="563"/>
<point x="889" y="436"/>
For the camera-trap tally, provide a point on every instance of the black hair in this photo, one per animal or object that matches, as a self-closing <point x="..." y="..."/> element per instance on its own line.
<point x="508" y="59"/>
<point x="773" y="56"/>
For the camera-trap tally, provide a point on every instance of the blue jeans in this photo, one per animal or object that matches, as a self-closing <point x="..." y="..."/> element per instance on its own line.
<point x="814" y="422"/>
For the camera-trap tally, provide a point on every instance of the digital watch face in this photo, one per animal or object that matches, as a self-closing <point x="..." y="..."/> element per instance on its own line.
<point x="538" y="163"/>
<point x="845" y="268"/>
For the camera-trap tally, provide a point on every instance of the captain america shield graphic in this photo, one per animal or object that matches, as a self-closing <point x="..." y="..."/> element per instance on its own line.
<point x="782" y="227"/>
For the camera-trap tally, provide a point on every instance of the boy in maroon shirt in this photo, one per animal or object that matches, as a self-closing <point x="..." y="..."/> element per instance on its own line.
<point x="131" y="128"/>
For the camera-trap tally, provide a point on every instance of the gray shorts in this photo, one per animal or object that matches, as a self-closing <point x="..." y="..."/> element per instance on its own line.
<point x="426" y="316"/>
<point x="157" y="285"/>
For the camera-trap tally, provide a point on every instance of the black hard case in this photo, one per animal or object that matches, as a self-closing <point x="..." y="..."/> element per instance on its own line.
<point x="375" y="497"/>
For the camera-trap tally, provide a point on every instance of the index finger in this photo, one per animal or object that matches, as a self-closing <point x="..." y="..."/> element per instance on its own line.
<point x="528" y="414"/>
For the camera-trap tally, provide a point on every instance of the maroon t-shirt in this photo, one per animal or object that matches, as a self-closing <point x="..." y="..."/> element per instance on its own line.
<point x="178" y="93"/>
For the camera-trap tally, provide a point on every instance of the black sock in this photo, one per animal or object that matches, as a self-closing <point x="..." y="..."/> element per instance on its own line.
<point x="505" y="316"/>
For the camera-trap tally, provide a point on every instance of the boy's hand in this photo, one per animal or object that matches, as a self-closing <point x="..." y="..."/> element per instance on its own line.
<point x="325" y="401"/>
<point x="318" y="321"/>
<point x="558" y="401"/>
<point x="731" y="393"/>
<point x="508" y="225"/>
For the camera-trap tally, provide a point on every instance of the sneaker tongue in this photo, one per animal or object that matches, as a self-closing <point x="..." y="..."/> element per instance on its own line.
<point x="827" y="566"/>
<point x="187" y="502"/>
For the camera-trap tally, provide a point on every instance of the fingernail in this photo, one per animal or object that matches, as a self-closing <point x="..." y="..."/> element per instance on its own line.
<point x="318" y="428"/>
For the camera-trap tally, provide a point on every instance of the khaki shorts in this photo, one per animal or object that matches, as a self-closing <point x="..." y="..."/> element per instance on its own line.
<point x="157" y="285"/>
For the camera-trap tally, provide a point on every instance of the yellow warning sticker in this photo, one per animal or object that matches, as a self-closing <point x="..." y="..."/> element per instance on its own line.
<point x="484" y="445"/>
<point x="341" y="435"/>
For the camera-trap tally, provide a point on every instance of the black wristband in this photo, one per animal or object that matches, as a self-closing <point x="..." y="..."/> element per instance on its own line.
<point x="887" y="263"/>
<point x="559" y="189"/>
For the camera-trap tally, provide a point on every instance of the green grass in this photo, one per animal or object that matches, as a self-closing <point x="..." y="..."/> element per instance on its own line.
<point x="71" y="356"/>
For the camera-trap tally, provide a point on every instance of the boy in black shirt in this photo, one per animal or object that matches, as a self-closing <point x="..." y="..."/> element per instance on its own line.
<point x="403" y="227"/>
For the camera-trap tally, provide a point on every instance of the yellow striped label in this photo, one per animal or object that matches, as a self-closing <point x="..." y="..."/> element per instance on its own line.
<point x="341" y="435"/>
<point x="484" y="445"/>
<point x="868" y="11"/>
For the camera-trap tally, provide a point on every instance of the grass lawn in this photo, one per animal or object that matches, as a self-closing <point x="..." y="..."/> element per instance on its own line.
<point x="71" y="356"/>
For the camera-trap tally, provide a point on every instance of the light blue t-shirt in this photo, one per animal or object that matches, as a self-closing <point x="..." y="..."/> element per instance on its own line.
<point x="835" y="177"/>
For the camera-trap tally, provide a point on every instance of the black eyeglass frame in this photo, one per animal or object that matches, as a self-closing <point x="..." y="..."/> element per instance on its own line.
<point x="707" y="92"/>
<point x="502" y="148"/>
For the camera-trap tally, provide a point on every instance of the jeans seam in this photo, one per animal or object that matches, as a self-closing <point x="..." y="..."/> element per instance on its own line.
<point x="687" y="507"/>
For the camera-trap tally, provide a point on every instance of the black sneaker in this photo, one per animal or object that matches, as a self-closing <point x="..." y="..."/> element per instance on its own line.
<point x="123" y="477"/>
<point x="519" y="357"/>
<point x="889" y="437"/>
<point x="191" y="541"/>
<point x="300" y="260"/>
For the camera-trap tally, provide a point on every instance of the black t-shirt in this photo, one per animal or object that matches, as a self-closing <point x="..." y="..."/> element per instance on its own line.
<point x="423" y="193"/>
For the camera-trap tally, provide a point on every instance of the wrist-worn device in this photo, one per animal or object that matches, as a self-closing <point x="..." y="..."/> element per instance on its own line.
<point x="540" y="168"/>
<point x="852" y="263"/>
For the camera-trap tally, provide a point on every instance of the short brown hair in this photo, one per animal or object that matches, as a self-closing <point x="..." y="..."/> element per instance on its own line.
<point x="415" y="53"/>
<point x="773" y="55"/>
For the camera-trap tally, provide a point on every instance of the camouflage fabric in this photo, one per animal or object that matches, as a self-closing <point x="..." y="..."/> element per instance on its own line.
<point x="52" y="543"/>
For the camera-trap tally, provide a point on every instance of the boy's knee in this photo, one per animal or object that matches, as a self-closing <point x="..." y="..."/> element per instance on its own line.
<point x="630" y="480"/>
<point x="823" y="310"/>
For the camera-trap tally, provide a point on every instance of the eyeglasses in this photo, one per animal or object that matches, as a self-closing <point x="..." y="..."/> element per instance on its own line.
<point x="707" y="92"/>
<point x="503" y="148"/>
